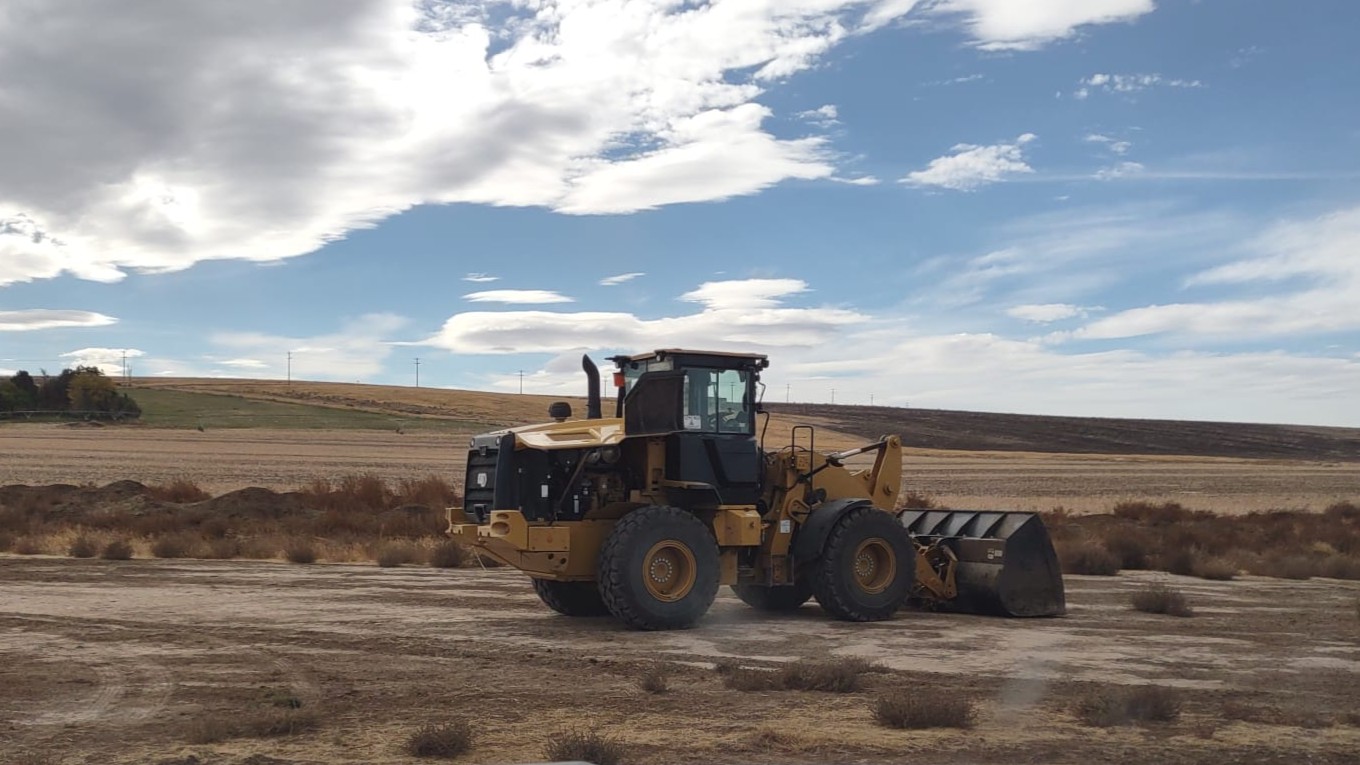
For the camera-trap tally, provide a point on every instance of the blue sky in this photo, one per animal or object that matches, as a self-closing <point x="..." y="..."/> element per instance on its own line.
<point x="1086" y="207"/>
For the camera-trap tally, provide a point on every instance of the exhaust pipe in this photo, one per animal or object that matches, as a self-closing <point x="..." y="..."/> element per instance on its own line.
<point x="592" y="388"/>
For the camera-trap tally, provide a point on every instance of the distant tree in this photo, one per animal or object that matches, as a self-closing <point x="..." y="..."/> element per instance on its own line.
<point x="54" y="393"/>
<point x="88" y="390"/>
<point x="26" y="385"/>
<point x="11" y="398"/>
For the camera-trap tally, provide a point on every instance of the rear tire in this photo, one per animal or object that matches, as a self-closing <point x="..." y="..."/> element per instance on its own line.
<point x="774" y="599"/>
<point x="658" y="569"/>
<point x="867" y="568"/>
<point x="571" y="598"/>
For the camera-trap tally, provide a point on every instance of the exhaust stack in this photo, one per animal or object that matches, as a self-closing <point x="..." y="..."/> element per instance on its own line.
<point x="592" y="388"/>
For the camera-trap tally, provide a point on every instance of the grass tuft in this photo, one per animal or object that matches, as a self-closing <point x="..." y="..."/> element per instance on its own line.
<point x="300" y="551"/>
<point x="1160" y="599"/>
<point x="181" y="491"/>
<point x="904" y="709"/>
<point x="179" y="545"/>
<point x="655" y="678"/>
<point x="395" y="554"/>
<point x="448" y="555"/>
<point x="444" y="741"/>
<point x="83" y="547"/>
<point x="837" y="676"/>
<point x="1109" y="707"/>
<point x="118" y="549"/>
<point x="584" y="746"/>
<point x="1088" y="558"/>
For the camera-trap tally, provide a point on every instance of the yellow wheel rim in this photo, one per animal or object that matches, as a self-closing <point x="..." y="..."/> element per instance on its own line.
<point x="875" y="565"/>
<point x="669" y="570"/>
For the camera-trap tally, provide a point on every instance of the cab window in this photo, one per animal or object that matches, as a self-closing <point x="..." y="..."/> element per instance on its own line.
<point x="715" y="401"/>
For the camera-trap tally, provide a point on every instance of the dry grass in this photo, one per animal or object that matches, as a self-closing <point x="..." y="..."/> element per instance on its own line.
<point x="584" y="746"/>
<point x="395" y="554"/>
<point x="118" y="549"/>
<point x="27" y="546"/>
<point x="1215" y="569"/>
<point x="444" y="741"/>
<point x="1160" y="599"/>
<point x="180" y="491"/>
<point x="6" y="542"/>
<point x="265" y="723"/>
<point x="655" y="678"/>
<point x="1271" y="715"/>
<point x="908" y="709"/>
<point x="1113" y="706"/>
<point x="837" y="676"/>
<point x="178" y="545"/>
<point x="83" y="547"/>
<point x="299" y="551"/>
<point x="1085" y="557"/>
<point x="448" y="555"/>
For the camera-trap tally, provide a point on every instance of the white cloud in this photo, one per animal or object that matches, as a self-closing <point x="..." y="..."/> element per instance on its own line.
<point x="1030" y="24"/>
<point x="244" y="364"/>
<point x="517" y="296"/>
<point x="480" y="278"/>
<point x="736" y="314"/>
<point x="107" y="360"/>
<point x="825" y="116"/>
<point x="1319" y="253"/>
<point x="356" y="351"/>
<point x="863" y="180"/>
<point x="258" y="132"/>
<point x="971" y="167"/>
<point x="1120" y="170"/>
<point x="614" y="281"/>
<point x="1128" y="83"/>
<point x="1044" y="313"/>
<point x="45" y="318"/>
<point x="1113" y="144"/>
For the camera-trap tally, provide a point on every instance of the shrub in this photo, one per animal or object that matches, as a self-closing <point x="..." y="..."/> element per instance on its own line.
<point x="916" y="501"/>
<point x="6" y="542"/>
<point x="432" y="491"/>
<point x="366" y="490"/>
<point x="905" y="709"/>
<point x="654" y="678"/>
<point x="584" y="746"/>
<point x="1180" y="561"/>
<point x="839" y="676"/>
<point x="1088" y="558"/>
<point x="222" y="549"/>
<point x="27" y="546"/>
<point x="1293" y="567"/>
<point x="181" y="491"/>
<point x="83" y="547"/>
<point x="118" y="549"/>
<point x="448" y="555"/>
<point x="1124" y="706"/>
<point x="1132" y="547"/>
<point x="1342" y="511"/>
<point x="445" y="741"/>
<point x="746" y="679"/>
<point x="1160" y="599"/>
<point x="1339" y="567"/>
<point x="300" y="551"/>
<point x="395" y="554"/>
<point x="260" y="548"/>
<point x="1151" y="512"/>
<point x="1216" y="569"/>
<point x="173" y="546"/>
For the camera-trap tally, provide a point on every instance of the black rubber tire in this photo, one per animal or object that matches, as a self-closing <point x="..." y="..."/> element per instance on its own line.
<point x="774" y="599"/>
<point x="571" y="598"/>
<point x="621" y="568"/>
<point x="833" y="577"/>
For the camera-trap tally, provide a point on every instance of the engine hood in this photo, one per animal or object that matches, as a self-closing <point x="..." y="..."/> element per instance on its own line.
<point x="572" y="434"/>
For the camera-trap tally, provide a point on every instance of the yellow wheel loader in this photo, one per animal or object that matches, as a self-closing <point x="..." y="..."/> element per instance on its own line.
<point x="645" y="514"/>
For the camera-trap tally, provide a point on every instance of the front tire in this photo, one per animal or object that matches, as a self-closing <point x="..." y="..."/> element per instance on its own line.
<point x="658" y="569"/>
<point x="775" y="599"/>
<point x="867" y="568"/>
<point x="571" y="598"/>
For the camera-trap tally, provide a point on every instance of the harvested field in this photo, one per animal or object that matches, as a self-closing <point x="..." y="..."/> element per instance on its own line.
<point x="285" y="459"/>
<point x="131" y="662"/>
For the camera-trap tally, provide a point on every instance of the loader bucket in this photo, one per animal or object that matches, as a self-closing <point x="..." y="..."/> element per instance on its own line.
<point x="1006" y="563"/>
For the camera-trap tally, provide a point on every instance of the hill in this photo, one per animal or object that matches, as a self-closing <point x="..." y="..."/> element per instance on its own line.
<point x="353" y="405"/>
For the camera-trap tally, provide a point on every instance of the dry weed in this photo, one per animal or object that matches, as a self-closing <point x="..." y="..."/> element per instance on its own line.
<point x="655" y="678"/>
<point x="395" y="554"/>
<point x="444" y="741"/>
<point x="27" y="546"/>
<point x="907" y="709"/>
<point x="1215" y="569"/>
<point x="448" y="555"/>
<point x="300" y="551"/>
<point x="1108" y="706"/>
<point x="1087" y="558"/>
<point x="83" y="547"/>
<point x="180" y="491"/>
<point x="118" y="549"/>
<point x="1160" y="599"/>
<point x="180" y="545"/>
<point x="836" y="676"/>
<point x="584" y="746"/>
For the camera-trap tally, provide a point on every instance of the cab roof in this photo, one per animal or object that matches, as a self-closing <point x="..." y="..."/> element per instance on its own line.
<point x="690" y="356"/>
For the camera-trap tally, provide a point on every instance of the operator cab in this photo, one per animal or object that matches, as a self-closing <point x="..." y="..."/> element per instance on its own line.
<point x="704" y="404"/>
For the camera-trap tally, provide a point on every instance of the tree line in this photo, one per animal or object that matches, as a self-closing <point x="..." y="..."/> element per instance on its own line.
<point x="83" y="391"/>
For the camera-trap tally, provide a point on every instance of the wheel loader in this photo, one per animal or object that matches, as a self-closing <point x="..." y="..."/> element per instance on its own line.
<point x="644" y="515"/>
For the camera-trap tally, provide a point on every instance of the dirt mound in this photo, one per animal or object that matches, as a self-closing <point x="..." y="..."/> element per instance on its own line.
<point x="255" y="502"/>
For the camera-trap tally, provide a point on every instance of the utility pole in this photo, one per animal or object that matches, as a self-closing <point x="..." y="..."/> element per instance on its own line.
<point x="871" y="399"/>
<point x="417" y="371"/>
<point x="833" y="395"/>
<point x="290" y="368"/>
<point x="787" y="388"/>
<point x="521" y="382"/>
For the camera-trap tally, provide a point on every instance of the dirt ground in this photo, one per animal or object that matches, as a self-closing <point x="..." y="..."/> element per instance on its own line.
<point x="123" y="662"/>
<point x="225" y="460"/>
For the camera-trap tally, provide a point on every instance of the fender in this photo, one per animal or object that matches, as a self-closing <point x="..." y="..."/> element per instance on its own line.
<point x="811" y="536"/>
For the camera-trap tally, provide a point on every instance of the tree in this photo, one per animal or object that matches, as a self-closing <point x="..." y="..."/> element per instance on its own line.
<point x="90" y="391"/>
<point x="26" y="385"/>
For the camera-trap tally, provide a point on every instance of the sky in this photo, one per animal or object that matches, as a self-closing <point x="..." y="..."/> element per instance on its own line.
<point x="1123" y="208"/>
